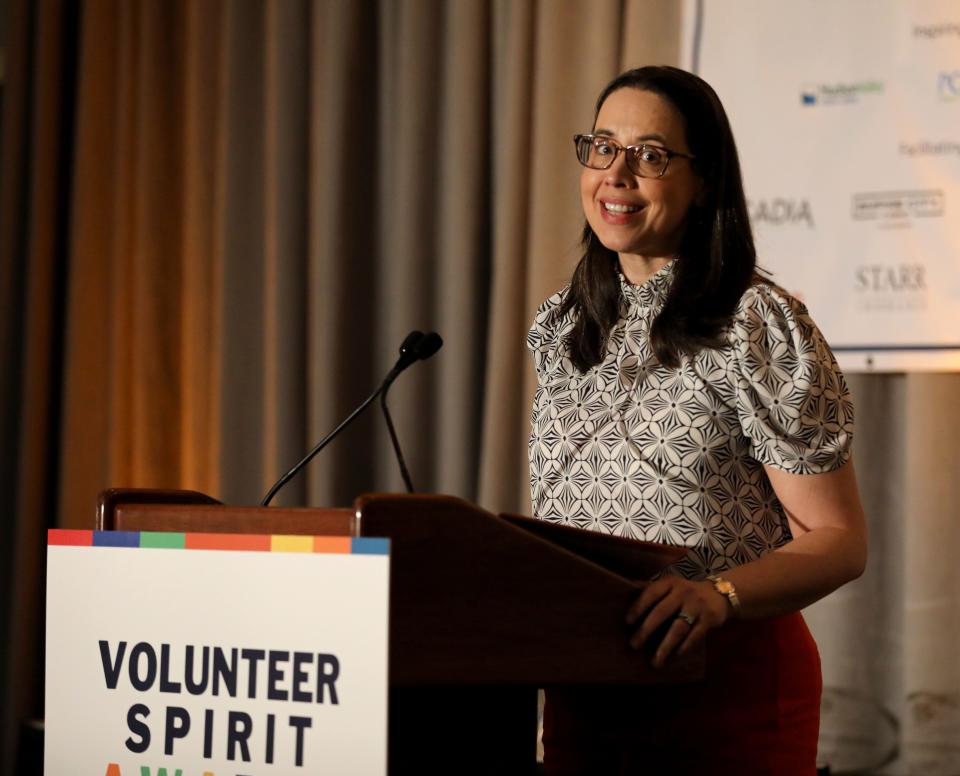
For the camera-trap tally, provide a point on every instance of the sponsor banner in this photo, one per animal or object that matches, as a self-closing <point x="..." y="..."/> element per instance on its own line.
<point x="215" y="655"/>
<point x="851" y="162"/>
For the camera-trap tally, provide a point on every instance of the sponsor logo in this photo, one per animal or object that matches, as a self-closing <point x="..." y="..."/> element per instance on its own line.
<point x="780" y="211"/>
<point x="897" y="208"/>
<point x="930" y="148"/>
<point x="890" y="287"/>
<point x="935" y="31"/>
<point x="948" y="85"/>
<point x="893" y="277"/>
<point x="838" y="93"/>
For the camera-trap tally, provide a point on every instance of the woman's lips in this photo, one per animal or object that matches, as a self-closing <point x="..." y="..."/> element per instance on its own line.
<point x="613" y="212"/>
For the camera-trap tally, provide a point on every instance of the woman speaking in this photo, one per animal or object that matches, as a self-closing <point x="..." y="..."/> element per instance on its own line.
<point x="684" y="398"/>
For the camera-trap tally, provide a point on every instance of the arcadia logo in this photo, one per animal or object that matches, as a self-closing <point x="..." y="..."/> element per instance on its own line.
<point x="779" y="211"/>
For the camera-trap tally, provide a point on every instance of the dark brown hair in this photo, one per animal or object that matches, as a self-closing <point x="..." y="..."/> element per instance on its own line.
<point x="717" y="258"/>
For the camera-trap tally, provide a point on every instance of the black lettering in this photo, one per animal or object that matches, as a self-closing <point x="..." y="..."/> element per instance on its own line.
<point x="239" y="726"/>
<point x="111" y="668"/>
<point x="300" y="723"/>
<point x="327" y="678"/>
<point x="208" y="734"/>
<point x="165" y="684"/>
<point x="271" y="724"/>
<point x="275" y="674"/>
<point x="300" y="677"/>
<point x="142" y="648"/>
<point x="863" y="282"/>
<point x="139" y="728"/>
<point x="253" y="656"/>
<point x="194" y="687"/>
<point x="178" y="725"/>
<point x="225" y="671"/>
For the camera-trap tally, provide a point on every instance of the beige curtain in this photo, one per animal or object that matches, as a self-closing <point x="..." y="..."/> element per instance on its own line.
<point x="265" y="197"/>
<point x="270" y="195"/>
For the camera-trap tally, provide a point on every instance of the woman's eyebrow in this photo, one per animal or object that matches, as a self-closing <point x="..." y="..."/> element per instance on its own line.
<point x="640" y="139"/>
<point x="654" y="136"/>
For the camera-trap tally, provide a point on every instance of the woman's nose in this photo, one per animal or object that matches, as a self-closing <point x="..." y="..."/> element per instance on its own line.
<point x="618" y="174"/>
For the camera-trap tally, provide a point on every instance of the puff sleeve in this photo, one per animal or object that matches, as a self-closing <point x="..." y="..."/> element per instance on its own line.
<point x="792" y="400"/>
<point x="546" y="335"/>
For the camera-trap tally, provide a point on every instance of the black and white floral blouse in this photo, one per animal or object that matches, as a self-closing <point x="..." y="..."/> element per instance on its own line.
<point x="637" y="449"/>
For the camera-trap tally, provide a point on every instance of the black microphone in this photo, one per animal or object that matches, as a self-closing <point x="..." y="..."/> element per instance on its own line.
<point x="409" y="353"/>
<point x="422" y="348"/>
<point x="427" y="345"/>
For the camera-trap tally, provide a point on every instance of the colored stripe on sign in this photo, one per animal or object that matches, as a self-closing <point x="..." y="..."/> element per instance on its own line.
<point x="116" y="539"/>
<point x="335" y="545"/>
<point x="160" y="540"/>
<point x="69" y="537"/>
<point x="214" y="541"/>
<point x="291" y="544"/>
<point x="365" y="545"/>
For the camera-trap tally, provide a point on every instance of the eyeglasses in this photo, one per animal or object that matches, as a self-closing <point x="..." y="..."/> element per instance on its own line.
<point x="648" y="161"/>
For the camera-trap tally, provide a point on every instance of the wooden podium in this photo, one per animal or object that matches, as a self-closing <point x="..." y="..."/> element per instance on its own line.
<point x="484" y="609"/>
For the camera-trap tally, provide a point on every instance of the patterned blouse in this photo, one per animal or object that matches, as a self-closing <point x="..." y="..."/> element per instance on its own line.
<point x="676" y="456"/>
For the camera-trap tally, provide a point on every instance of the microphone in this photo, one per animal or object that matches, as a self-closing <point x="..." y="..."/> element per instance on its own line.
<point x="429" y="344"/>
<point x="421" y="349"/>
<point x="408" y="354"/>
<point x="415" y="347"/>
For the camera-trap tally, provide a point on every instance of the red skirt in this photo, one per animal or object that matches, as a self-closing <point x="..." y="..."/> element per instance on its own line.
<point x="757" y="712"/>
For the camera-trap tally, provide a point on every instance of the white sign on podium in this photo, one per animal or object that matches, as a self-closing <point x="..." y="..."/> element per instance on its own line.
<point x="215" y="655"/>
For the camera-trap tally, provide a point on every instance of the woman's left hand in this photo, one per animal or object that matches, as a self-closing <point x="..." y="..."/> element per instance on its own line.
<point x="694" y="607"/>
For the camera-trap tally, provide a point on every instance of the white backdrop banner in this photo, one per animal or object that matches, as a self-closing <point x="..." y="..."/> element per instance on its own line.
<point x="215" y="655"/>
<point x="847" y="119"/>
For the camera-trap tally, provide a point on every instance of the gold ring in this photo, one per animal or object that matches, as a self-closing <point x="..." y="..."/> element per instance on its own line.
<point x="689" y="619"/>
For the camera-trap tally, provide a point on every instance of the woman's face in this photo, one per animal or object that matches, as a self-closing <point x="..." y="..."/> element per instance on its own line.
<point x="656" y="208"/>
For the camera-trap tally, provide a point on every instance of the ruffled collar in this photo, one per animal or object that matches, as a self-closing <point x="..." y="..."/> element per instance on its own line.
<point x="652" y="292"/>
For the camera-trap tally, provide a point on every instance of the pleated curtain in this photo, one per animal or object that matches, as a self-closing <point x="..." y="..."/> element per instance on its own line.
<point x="269" y="196"/>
